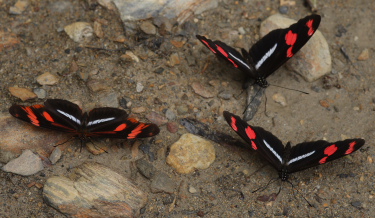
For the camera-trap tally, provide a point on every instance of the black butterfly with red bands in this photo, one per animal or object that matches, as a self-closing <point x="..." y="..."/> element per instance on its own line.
<point x="289" y="159"/>
<point x="65" y="116"/>
<point x="269" y="53"/>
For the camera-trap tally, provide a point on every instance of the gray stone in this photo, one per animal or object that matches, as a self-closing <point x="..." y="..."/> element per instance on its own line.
<point x="109" y="99"/>
<point x="202" y="90"/>
<point x="26" y="164"/>
<point x="41" y="93"/>
<point x="139" y="87"/>
<point x="145" y="168"/>
<point x="226" y="95"/>
<point x="148" y="28"/>
<point x="170" y="114"/>
<point x="55" y="155"/>
<point x="161" y="182"/>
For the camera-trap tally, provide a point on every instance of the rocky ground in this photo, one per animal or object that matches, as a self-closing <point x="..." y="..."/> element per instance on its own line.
<point x="158" y="71"/>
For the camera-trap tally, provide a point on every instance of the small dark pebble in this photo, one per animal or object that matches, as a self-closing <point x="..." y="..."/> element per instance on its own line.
<point x="185" y="97"/>
<point x="283" y="9"/>
<point x="123" y="103"/>
<point x="340" y="30"/>
<point x="159" y="70"/>
<point x="251" y="213"/>
<point x="78" y="49"/>
<point x="316" y="89"/>
<point x="168" y="199"/>
<point x="357" y="204"/>
<point x="346" y="175"/>
<point x="172" y="127"/>
<point x="157" y="101"/>
<point x="67" y="51"/>
<point x="142" y="210"/>
<point x="267" y="198"/>
<point x="42" y="175"/>
<point x="200" y="213"/>
<point x="145" y="168"/>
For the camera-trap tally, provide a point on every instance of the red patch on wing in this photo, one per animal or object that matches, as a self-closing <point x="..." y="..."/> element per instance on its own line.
<point x="48" y="117"/>
<point x="351" y="147"/>
<point x="290" y="39"/>
<point x="137" y="130"/>
<point x="311" y="29"/>
<point x="208" y="46"/>
<point x="233" y="124"/>
<point x="223" y="52"/>
<point x="30" y="113"/>
<point x="330" y="150"/>
<point x="120" y="127"/>
<point x="251" y="134"/>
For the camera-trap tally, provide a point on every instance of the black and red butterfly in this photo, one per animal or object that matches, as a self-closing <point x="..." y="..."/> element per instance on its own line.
<point x="65" y="116"/>
<point x="289" y="159"/>
<point x="269" y="53"/>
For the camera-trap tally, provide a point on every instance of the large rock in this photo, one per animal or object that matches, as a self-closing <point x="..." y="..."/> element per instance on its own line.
<point x="313" y="60"/>
<point x="191" y="152"/>
<point x="94" y="190"/>
<point x="26" y="164"/>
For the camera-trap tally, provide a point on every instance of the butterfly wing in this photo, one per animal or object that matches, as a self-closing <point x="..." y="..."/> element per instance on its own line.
<point x="114" y="123"/>
<point x="268" y="145"/>
<point x="229" y="54"/>
<point x="309" y="154"/>
<point x="55" y="114"/>
<point x="278" y="46"/>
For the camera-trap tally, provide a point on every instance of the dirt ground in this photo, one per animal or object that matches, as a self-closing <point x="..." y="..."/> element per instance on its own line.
<point x="343" y="188"/>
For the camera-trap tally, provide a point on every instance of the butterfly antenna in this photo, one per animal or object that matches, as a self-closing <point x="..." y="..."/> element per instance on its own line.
<point x="95" y="146"/>
<point x="64" y="142"/>
<point x="236" y="97"/>
<point x="290" y="89"/>
<point x="294" y="194"/>
<point x="264" y="187"/>
<point x="248" y="105"/>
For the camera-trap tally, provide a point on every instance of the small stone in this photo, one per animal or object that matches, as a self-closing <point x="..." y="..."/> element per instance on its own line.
<point x="157" y="118"/>
<point x="139" y="87"/>
<point x="324" y="103"/>
<point x="279" y="98"/>
<point x="241" y="30"/>
<point x="182" y="109"/>
<point x="148" y="28"/>
<point x="174" y="59"/>
<point x="79" y="31"/>
<point x="129" y="57"/>
<point x="97" y="148"/>
<point x="8" y="40"/>
<point x="170" y="114"/>
<point x="161" y="182"/>
<point x="226" y="95"/>
<point x="109" y="99"/>
<point x="55" y="155"/>
<point x="22" y="93"/>
<point x="41" y="93"/>
<point x="201" y="90"/>
<point x="172" y="127"/>
<point x="26" y="164"/>
<point x="365" y="55"/>
<point x="146" y="168"/>
<point x="97" y="85"/>
<point x="19" y="7"/>
<point x="91" y="186"/>
<point x="47" y="79"/>
<point x="138" y="110"/>
<point x="177" y="44"/>
<point x="191" y="152"/>
<point x="98" y="30"/>
<point x="83" y="75"/>
<point x="192" y="190"/>
<point x="283" y="9"/>
<point x="357" y="204"/>
<point x="159" y="70"/>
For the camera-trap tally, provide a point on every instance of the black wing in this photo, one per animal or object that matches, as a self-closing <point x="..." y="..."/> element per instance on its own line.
<point x="114" y="123"/>
<point x="278" y="46"/>
<point x="309" y="154"/>
<point x="55" y="114"/>
<point x="268" y="145"/>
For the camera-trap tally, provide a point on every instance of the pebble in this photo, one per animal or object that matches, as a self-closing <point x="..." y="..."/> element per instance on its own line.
<point x="279" y="98"/>
<point x="145" y="168"/>
<point x="41" y="93"/>
<point x="172" y="127"/>
<point x="148" y="28"/>
<point x="156" y="118"/>
<point x="241" y="30"/>
<point x="139" y="87"/>
<point x="98" y="147"/>
<point x="129" y="56"/>
<point x="8" y="40"/>
<point x="202" y="90"/>
<point x="26" y="164"/>
<point x="357" y="204"/>
<point x="313" y="60"/>
<point x="192" y="190"/>
<point x="60" y="6"/>
<point x="161" y="182"/>
<point x="174" y="59"/>
<point x="226" y="95"/>
<point x="109" y="99"/>
<point x="170" y="114"/>
<point x="365" y="55"/>
<point x="283" y="9"/>
<point x="55" y="155"/>
<point x="97" y="85"/>
<point x="182" y="109"/>
<point x="79" y="31"/>
<point x="22" y="93"/>
<point x="84" y="75"/>
<point x="98" y="30"/>
<point x="19" y="7"/>
<point x="138" y="110"/>
<point x="191" y="152"/>
<point x="47" y="79"/>
<point x="91" y="186"/>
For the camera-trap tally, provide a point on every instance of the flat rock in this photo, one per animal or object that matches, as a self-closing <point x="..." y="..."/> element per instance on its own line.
<point x="191" y="152"/>
<point x="26" y="164"/>
<point x="19" y="7"/>
<point x="161" y="182"/>
<point x="202" y="90"/>
<point x="47" y="79"/>
<point x="109" y="99"/>
<point x="22" y="93"/>
<point x="156" y="118"/>
<point x="94" y="190"/>
<point x="131" y="10"/>
<point x="313" y="60"/>
<point x="79" y="31"/>
<point x="148" y="28"/>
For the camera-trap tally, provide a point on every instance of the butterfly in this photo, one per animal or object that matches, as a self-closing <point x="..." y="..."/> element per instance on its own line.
<point x="269" y="53"/>
<point x="65" y="116"/>
<point x="288" y="159"/>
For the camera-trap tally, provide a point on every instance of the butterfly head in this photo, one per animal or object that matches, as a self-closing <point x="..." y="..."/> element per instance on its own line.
<point x="284" y="175"/>
<point x="262" y="82"/>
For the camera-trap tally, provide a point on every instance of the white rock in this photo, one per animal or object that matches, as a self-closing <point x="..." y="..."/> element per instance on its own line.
<point x="79" y="31"/>
<point x="26" y="164"/>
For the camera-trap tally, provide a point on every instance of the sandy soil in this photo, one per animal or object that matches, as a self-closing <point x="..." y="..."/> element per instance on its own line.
<point x="343" y="188"/>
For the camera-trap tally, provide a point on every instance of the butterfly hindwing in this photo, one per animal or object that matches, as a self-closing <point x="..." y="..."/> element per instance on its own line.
<point x="268" y="145"/>
<point x="310" y="154"/>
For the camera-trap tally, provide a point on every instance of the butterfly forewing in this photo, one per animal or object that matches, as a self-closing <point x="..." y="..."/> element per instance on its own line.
<point x="278" y="46"/>
<point x="268" y="145"/>
<point x="309" y="154"/>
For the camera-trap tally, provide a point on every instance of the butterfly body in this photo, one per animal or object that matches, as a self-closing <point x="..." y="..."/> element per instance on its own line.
<point x="288" y="159"/>
<point x="269" y="53"/>
<point x="65" y="116"/>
